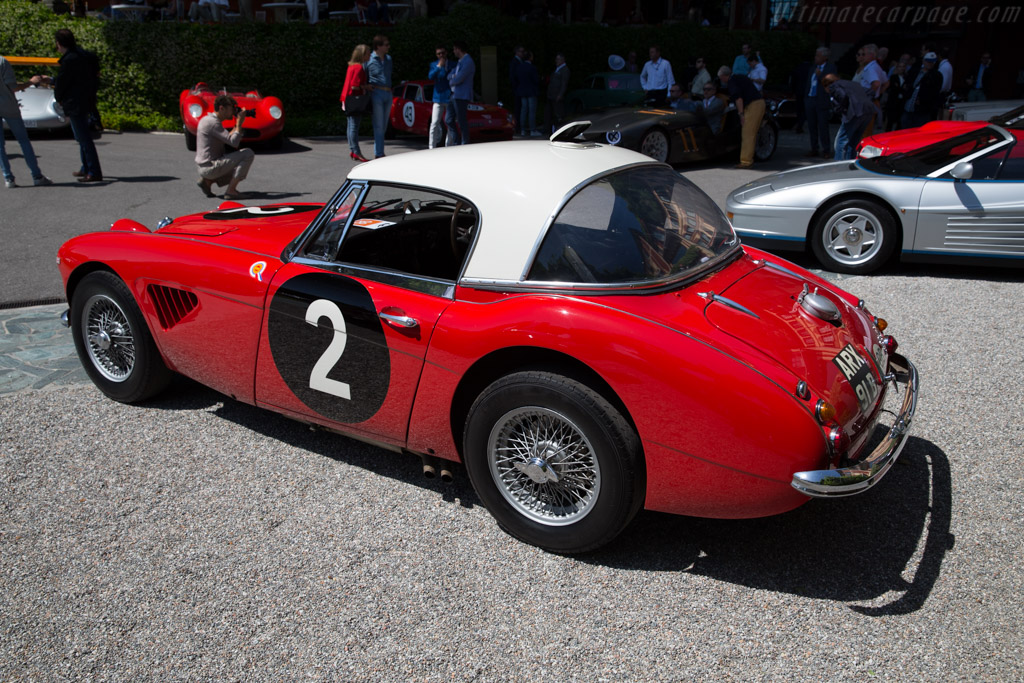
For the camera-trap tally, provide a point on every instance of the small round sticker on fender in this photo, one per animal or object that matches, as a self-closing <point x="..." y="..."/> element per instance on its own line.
<point x="329" y="346"/>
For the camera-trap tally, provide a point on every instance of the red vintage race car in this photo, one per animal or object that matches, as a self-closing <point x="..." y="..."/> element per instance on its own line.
<point x="413" y="104"/>
<point x="264" y="121"/>
<point x="580" y="327"/>
<point x="909" y="139"/>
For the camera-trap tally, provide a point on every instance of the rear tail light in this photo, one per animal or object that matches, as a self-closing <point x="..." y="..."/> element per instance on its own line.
<point x="889" y="343"/>
<point x="838" y="439"/>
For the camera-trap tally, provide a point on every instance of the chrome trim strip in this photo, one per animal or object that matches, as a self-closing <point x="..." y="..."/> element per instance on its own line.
<point x="859" y="477"/>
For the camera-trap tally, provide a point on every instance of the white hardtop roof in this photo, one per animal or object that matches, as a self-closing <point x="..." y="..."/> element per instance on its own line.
<point x="515" y="186"/>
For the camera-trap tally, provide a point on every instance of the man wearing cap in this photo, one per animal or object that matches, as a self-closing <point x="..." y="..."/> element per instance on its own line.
<point x="924" y="99"/>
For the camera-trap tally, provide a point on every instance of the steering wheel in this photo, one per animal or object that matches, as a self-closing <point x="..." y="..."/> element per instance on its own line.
<point x="459" y="205"/>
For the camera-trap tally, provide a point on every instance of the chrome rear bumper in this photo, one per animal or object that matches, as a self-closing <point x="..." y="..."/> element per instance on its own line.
<point x="861" y="476"/>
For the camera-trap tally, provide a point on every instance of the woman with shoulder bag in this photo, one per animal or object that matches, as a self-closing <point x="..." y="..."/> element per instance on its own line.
<point x="355" y="97"/>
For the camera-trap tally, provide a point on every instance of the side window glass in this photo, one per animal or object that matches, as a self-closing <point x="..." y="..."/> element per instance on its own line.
<point x="1013" y="167"/>
<point x="411" y="231"/>
<point x="325" y="244"/>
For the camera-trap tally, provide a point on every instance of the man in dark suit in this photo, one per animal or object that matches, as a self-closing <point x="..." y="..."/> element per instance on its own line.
<point x="923" y="102"/>
<point x="817" y="106"/>
<point x="979" y="83"/>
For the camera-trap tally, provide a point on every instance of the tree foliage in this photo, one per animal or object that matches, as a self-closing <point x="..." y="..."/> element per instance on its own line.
<point x="146" y="65"/>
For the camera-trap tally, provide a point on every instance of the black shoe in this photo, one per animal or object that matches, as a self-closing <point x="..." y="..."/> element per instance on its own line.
<point x="89" y="178"/>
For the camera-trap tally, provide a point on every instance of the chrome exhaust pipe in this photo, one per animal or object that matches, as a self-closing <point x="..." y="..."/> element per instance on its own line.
<point x="429" y="466"/>
<point x="446" y="472"/>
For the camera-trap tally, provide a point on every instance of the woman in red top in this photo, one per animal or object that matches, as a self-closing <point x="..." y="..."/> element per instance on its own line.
<point x="355" y="82"/>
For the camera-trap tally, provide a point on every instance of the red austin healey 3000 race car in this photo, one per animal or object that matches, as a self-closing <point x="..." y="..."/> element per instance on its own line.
<point x="580" y="327"/>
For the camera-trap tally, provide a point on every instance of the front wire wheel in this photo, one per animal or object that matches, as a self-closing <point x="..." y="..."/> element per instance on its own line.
<point x="113" y="341"/>
<point x="554" y="462"/>
<point x="655" y="145"/>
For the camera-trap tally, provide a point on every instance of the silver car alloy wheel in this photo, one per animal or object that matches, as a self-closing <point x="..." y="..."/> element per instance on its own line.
<point x="852" y="236"/>
<point x="108" y="338"/>
<point x="544" y="466"/>
<point x="655" y="145"/>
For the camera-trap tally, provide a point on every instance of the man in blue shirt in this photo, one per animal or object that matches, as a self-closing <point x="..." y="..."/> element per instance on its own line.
<point x="442" y="96"/>
<point x="378" y="70"/>
<point x="461" y="80"/>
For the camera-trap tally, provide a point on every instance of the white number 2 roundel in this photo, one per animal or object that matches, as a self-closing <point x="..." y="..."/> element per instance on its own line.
<point x="329" y="347"/>
<point x="318" y="379"/>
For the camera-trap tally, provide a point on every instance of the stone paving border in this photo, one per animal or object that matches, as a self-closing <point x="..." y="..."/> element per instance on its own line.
<point x="36" y="350"/>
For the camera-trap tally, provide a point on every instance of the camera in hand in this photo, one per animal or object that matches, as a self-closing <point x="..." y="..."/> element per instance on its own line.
<point x="242" y="113"/>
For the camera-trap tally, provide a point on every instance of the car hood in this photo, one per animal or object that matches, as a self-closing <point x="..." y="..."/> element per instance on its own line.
<point x="772" y="309"/>
<point x="822" y="173"/>
<point x="261" y="229"/>
<point x="627" y="117"/>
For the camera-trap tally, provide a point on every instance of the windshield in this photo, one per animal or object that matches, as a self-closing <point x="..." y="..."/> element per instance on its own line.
<point x="624" y="82"/>
<point x="639" y="225"/>
<point x="931" y="158"/>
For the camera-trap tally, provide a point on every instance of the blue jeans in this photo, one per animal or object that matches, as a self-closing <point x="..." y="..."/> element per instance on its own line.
<point x="353" y="134"/>
<point x="528" y="114"/>
<point x="462" y="115"/>
<point x="381" y="113"/>
<point x="17" y="127"/>
<point x="451" y="122"/>
<point x="86" y="147"/>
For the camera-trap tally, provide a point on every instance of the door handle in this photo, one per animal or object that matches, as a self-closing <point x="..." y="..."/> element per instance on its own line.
<point x="399" y="320"/>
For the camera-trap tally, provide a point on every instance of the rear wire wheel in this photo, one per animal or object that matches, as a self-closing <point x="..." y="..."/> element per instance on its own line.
<point x="113" y="341"/>
<point x="554" y="462"/>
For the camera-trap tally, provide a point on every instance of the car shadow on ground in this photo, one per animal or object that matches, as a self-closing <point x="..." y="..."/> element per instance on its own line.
<point x="288" y="146"/>
<point x="884" y="547"/>
<point x="185" y="394"/>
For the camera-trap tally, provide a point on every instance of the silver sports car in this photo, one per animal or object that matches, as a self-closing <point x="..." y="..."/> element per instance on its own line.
<point x="957" y="200"/>
<point x="39" y="110"/>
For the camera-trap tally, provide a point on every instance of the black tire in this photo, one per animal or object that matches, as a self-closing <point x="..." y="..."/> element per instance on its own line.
<point x="190" y="141"/>
<point x="537" y="494"/>
<point x="113" y="341"/>
<point x="655" y="144"/>
<point x="766" y="142"/>
<point x="854" y="236"/>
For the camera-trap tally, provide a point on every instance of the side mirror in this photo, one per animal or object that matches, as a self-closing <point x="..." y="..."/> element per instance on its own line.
<point x="963" y="170"/>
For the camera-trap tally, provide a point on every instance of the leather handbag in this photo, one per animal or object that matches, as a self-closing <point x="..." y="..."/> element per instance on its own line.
<point x="357" y="104"/>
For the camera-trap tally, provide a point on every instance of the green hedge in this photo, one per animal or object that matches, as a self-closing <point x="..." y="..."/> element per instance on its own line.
<point x="147" y="64"/>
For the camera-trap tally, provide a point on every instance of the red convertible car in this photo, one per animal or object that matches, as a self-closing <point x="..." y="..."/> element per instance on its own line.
<point x="909" y="139"/>
<point x="414" y="102"/>
<point x="264" y="121"/>
<point x="579" y="326"/>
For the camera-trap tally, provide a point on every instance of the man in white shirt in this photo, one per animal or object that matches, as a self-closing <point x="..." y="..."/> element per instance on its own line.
<point x="656" y="77"/>
<point x="946" y="71"/>
<point x="872" y="77"/>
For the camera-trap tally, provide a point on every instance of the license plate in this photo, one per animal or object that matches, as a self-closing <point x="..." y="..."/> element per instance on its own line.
<point x="29" y="123"/>
<point x="857" y="372"/>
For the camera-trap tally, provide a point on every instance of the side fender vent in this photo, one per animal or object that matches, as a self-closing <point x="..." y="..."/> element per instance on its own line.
<point x="171" y="304"/>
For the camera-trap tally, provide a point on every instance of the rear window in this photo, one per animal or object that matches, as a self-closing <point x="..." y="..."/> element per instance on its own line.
<point x="639" y="225"/>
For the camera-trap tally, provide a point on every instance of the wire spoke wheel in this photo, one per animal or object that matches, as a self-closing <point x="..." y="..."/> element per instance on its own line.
<point x="109" y="338"/>
<point x="544" y="465"/>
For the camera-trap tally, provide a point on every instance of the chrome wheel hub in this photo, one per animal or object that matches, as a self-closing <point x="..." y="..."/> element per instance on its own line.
<point x="852" y="237"/>
<point x="108" y="338"/>
<point x="543" y="465"/>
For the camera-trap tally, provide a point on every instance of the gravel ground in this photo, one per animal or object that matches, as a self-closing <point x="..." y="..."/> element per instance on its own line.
<point x="199" y="538"/>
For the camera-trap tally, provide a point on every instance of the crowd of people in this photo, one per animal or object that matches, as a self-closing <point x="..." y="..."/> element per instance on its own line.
<point x="906" y="93"/>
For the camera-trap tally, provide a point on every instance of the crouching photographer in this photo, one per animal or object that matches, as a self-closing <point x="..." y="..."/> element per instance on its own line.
<point x="216" y="166"/>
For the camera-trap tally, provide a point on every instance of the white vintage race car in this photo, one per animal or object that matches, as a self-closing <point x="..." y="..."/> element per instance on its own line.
<point x="39" y="109"/>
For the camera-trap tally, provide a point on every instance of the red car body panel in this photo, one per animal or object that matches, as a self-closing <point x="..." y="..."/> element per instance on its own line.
<point x="259" y="125"/>
<point x="710" y="392"/>
<point x="411" y="110"/>
<point x="909" y="139"/>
